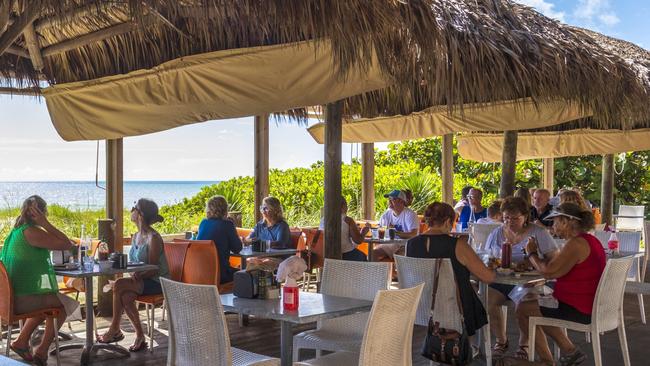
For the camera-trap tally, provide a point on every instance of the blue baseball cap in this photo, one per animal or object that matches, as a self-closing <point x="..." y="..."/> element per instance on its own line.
<point x="396" y="193"/>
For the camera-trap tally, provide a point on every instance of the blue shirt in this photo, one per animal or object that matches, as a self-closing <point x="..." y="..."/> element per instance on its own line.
<point x="224" y="235"/>
<point x="466" y="213"/>
<point x="278" y="234"/>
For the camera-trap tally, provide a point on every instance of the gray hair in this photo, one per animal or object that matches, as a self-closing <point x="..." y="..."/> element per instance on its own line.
<point x="216" y="207"/>
<point x="275" y="207"/>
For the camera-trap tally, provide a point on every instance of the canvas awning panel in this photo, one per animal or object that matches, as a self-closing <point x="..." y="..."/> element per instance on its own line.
<point x="536" y="145"/>
<point x="216" y="85"/>
<point x="436" y="121"/>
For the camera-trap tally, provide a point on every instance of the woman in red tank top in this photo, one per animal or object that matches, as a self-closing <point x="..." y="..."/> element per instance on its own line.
<point x="577" y="268"/>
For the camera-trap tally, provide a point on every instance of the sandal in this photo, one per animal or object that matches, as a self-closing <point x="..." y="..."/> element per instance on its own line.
<point x="499" y="349"/>
<point x="39" y="360"/>
<point x="522" y="353"/>
<point x="114" y="339"/>
<point x="24" y="353"/>
<point x="137" y="347"/>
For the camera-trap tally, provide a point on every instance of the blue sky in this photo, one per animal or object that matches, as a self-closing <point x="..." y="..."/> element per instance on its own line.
<point x="31" y="150"/>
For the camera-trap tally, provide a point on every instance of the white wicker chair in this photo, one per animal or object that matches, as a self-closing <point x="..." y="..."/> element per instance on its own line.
<point x="607" y="313"/>
<point x="359" y="280"/>
<point x="629" y="241"/>
<point x="479" y="234"/>
<point x="630" y="223"/>
<point x="198" y="332"/>
<point x="388" y="338"/>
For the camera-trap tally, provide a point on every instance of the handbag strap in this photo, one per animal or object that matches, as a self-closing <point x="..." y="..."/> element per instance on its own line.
<point x="436" y="277"/>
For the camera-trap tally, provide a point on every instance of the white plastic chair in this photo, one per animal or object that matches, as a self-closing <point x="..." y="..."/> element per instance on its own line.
<point x="479" y="233"/>
<point x="198" y="332"/>
<point x="607" y="313"/>
<point x="359" y="280"/>
<point x="388" y="336"/>
<point x="630" y="223"/>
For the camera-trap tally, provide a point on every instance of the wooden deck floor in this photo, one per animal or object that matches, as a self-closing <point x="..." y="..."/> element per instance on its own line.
<point x="263" y="336"/>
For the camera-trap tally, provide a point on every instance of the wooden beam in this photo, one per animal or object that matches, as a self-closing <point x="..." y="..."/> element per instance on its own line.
<point x="447" y="169"/>
<point x="67" y="17"/>
<point x="5" y="12"/>
<point x="261" y="161"/>
<point x="20" y="91"/>
<point x="548" y="172"/>
<point x="115" y="189"/>
<point x="17" y="28"/>
<point x="368" y="181"/>
<point x="508" y="164"/>
<point x="34" y="47"/>
<point x="607" y="190"/>
<point x="86" y="39"/>
<point x="333" y="153"/>
<point x="15" y="50"/>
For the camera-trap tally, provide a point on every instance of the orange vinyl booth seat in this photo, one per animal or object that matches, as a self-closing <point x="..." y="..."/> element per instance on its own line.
<point x="235" y="262"/>
<point x="200" y="265"/>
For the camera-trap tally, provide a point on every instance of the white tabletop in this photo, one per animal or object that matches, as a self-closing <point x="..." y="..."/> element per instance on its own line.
<point x="81" y="273"/>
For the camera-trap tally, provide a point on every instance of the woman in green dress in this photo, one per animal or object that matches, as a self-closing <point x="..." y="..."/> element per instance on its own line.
<point x="26" y="256"/>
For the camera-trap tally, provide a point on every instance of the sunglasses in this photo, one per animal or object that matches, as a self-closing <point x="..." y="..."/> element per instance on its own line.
<point x="135" y="208"/>
<point x="264" y="208"/>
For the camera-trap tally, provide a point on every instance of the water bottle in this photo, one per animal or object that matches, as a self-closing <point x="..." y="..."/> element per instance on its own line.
<point x="290" y="295"/>
<point x="612" y="243"/>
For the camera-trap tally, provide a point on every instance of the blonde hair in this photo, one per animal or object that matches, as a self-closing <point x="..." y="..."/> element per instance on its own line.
<point x="31" y="201"/>
<point x="216" y="207"/>
<point x="574" y="197"/>
<point x="274" y="208"/>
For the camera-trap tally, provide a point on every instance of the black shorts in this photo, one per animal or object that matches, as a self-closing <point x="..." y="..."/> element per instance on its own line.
<point x="503" y="289"/>
<point x="151" y="287"/>
<point x="566" y="312"/>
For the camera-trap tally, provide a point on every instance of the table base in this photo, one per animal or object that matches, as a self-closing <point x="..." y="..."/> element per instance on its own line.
<point x="91" y="351"/>
<point x="286" y="343"/>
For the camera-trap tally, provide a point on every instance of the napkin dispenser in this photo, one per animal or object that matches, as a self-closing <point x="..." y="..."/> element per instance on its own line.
<point x="59" y="257"/>
<point x="245" y="284"/>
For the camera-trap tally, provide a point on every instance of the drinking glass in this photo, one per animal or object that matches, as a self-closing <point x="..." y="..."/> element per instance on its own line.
<point x="268" y="245"/>
<point x="375" y="233"/>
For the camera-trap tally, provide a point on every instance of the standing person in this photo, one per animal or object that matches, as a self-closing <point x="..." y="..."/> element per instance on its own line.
<point x="146" y="247"/>
<point x="272" y="227"/>
<point x="222" y="232"/>
<point x="515" y="231"/>
<point x="475" y="206"/>
<point x="541" y="208"/>
<point x="403" y="219"/>
<point x="463" y="199"/>
<point x="350" y="235"/>
<point x="577" y="268"/>
<point x="26" y="257"/>
<point x="437" y="242"/>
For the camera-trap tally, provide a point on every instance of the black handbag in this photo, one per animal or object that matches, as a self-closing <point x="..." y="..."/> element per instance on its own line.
<point x="446" y="346"/>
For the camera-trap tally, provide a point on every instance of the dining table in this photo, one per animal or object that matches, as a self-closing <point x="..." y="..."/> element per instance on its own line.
<point x="89" y="346"/>
<point x="247" y="252"/>
<point x="312" y="308"/>
<point x="374" y="241"/>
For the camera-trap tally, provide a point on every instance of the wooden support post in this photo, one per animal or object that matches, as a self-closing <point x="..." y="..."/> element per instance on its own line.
<point x="261" y="137"/>
<point x="333" y="146"/>
<point x="115" y="189"/>
<point x="368" y="181"/>
<point x="547" y="174"/>
<point x="508" y="164"/>
<point x="105" y="301"/>
<point x="34" y="47"/>
<point x="16" y="29"/>
<point x="447" y="169"/>
<point x="607" y="189"/>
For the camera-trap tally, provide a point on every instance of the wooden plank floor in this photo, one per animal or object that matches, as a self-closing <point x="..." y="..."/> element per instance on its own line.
<point x="263" y="336"/>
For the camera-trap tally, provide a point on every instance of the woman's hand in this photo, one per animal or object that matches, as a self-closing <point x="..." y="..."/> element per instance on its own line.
<point x="37" y="216"/>
<point x="532" y="246"/>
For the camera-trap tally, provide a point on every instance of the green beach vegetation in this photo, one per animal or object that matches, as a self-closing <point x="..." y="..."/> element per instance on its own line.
<point x="410" y="165"/>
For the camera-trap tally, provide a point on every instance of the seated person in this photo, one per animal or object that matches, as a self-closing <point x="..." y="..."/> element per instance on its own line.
<point x="272" y="227"/>
<point x="541" y="208"/>
<point x="222" y="232"/>
<point x="26" y="257"/>
<point x="524" y="193"/>
<point x="463" y="199"/>
<point x="494" y="215"/>
<point x="475" y="208"/>
<point x="437" y="243"/>
<point x="403" y="219"/>
<point x="516" y="230"/>
<point x="577" y="268"/>
<point x="574" y="196"/>
<point x="147" y="247"/>
<point x="350" y="235"/>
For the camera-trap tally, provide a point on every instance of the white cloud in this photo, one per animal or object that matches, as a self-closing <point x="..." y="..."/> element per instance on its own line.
<point x="592" y="12"/>
<point x="544" y="7"/>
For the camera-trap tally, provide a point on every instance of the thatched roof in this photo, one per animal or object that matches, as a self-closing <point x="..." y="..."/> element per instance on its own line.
<point x="447" y="52"/>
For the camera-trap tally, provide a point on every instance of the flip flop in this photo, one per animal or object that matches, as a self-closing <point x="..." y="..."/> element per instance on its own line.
<point x="24" y="353"/>
<point x="115" y="338"/>
<point x="39" y="361"/>
<point x="138" y="347"/>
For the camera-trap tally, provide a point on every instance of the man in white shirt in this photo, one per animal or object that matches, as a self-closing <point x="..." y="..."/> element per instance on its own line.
<point x="403" y="219"/>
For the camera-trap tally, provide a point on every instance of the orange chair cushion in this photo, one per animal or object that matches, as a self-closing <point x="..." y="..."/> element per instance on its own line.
<point x="150" y="299"/>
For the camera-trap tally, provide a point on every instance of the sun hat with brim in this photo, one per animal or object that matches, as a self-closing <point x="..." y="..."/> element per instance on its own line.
<point x="149" y="210"/>
<point x="558" y="213"/>
<point x="396" y="194"/>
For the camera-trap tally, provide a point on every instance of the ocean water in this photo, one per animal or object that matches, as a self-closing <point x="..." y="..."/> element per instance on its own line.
<point x="86" y="195"/>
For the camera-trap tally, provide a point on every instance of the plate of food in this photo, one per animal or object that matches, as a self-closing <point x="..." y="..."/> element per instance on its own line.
<point x="136" y="264"/>
<point x="65" y="266"/>
<point x="504" y="271"/>
<point x="530" y="273"/>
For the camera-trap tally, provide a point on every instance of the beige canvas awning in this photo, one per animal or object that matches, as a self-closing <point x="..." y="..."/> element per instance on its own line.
<point x="216" y="85"/>
<point x="436" y="121"/>
<point x="487" y="147"/>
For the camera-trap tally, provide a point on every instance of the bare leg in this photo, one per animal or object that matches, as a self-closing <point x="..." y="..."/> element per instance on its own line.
<point x="42" y="349"/>
<point x="122" y="286"/>
<point x="495" y="301"/>
<point x="527" y="309"/>
<point x="26" y="333"/>
<point x="131" y="310"/>
<point x="378" y="254"/>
